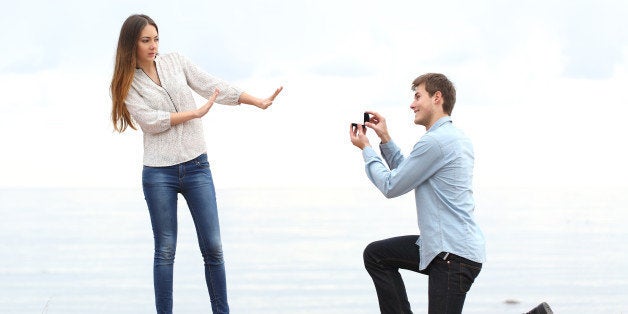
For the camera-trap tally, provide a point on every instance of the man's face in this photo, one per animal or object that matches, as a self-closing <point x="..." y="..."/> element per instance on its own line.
<point x="423" y="106"/>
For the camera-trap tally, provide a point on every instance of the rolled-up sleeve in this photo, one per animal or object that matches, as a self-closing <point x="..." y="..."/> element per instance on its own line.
<point x="151" y="121"/>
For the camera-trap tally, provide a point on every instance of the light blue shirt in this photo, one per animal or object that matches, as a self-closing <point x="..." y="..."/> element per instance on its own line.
<point x="439" y="170"/>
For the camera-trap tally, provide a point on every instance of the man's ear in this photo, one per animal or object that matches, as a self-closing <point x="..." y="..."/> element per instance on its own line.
<point x="438" y="97"/>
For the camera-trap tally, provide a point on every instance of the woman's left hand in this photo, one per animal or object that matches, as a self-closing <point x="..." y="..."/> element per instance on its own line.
<point x="265" y="103"/>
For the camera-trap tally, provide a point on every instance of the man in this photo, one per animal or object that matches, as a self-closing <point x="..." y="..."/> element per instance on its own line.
<point x="450" y="248"/>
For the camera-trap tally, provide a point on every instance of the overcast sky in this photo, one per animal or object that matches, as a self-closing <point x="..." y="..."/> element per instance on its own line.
<point x="541" y="87"/>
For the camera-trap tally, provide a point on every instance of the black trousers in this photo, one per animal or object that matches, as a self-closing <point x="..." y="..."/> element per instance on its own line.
<point x="449" y="279"/>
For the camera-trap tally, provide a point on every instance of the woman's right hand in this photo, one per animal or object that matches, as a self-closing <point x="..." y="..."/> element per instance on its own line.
<point x="203" y="110"/>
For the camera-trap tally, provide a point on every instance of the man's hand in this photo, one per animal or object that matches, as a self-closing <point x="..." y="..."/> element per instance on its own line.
<point x="358" y="136"/>
<point x="378" y="124"/>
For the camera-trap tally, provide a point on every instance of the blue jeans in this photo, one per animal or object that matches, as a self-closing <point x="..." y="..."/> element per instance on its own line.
<point x="450" y="276"/>
<point x="193" y="179"/>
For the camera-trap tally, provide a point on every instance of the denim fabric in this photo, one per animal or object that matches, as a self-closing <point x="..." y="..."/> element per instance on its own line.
<point x="162" y="185"/>
<point x="449" y="280"/>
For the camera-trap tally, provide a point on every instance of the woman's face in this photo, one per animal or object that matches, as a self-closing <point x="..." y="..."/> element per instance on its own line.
<point x="147" y="45"/>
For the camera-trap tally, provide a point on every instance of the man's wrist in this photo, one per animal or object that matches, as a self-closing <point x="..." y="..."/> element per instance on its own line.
<point x="385" y="138"/>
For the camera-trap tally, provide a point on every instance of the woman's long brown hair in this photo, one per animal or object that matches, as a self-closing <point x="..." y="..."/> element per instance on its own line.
<point x="124" y="69"/>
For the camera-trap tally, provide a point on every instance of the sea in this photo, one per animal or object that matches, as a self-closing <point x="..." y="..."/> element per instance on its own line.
<point x="299" y="250"/>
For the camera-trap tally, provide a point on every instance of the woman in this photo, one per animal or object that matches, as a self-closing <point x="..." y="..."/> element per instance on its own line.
<point x="155" y="92"/>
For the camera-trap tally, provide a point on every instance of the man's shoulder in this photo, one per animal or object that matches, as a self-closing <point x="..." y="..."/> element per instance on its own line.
<point x="447" y="130"/>
<point x="428" y="141"/>
<point x="445" y="136"/>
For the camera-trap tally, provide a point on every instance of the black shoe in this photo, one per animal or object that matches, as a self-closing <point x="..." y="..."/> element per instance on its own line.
<point x="542" y="308"/>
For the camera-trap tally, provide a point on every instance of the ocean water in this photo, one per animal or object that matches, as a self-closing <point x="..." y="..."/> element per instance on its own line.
<point x="299" y="250"/>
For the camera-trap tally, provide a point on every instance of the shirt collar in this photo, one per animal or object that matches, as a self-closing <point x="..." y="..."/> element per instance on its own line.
<point x="157" y="61"/>
<point x="440" y="122"/>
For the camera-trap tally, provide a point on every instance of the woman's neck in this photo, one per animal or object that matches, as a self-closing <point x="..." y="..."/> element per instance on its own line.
<point x="147" y="66"/>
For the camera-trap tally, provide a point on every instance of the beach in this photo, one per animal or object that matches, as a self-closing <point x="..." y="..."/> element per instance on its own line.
<point x="299" y="250"/>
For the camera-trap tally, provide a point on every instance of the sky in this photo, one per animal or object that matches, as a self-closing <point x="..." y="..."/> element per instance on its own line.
<point x="540" y="87"/>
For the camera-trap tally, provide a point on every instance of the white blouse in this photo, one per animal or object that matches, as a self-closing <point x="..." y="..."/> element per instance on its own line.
<point x="150" y="106"/>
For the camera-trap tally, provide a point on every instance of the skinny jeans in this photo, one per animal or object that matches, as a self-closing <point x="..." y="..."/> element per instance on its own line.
<point x="193" y="180"/>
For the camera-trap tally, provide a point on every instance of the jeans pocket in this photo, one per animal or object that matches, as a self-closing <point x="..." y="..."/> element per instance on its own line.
<point x="468" y="274"/>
